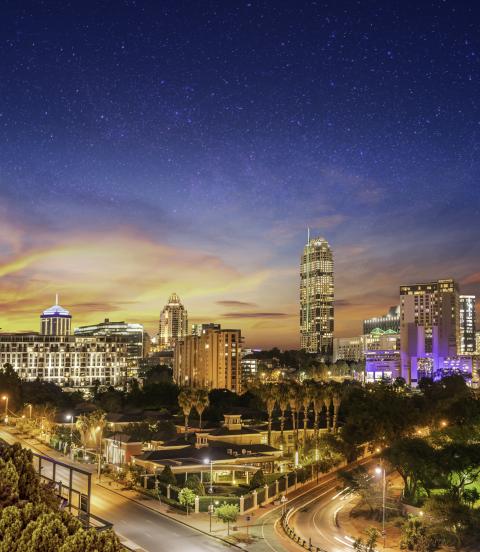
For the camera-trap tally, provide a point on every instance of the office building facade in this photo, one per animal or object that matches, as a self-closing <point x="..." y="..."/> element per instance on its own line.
<point x="135" y="337"/>
<point x="173" y="323"/>
<point x="317" y="298"/>
<point x="211" y="360"/>
<point x="467" y="324"/>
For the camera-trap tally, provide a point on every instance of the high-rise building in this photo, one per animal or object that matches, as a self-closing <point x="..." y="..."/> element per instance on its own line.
<point x="389" y="321"/>
<point x="316" y="297"/>
<point x="429" y="327"/>
<point x="173" y="323"/>
<point x="135" y="337"/>
<point x="55" y="321"/>
<point x="211" y="360"/>
<point x="467" y="324"/>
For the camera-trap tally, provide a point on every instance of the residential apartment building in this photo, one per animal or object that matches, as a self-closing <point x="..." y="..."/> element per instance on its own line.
<point x="211" y="359"/>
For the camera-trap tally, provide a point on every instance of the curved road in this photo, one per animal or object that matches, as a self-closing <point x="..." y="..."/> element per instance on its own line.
<point x="140" y="528"/>
<point x="313" y="516"/>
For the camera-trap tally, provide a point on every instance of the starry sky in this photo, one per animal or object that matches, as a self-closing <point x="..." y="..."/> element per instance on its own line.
<point x="152" y="147"/>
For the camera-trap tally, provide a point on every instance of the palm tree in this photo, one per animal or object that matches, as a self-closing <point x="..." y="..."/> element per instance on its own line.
<point x="283" y="402"/>
<point x="201" y="402"/>
<point x="293" y="402"/>
<point x="318" y="402"/>
<point x="327" y="401"/>
<point x="306" y="400"/>
<point x="82" y="426"/>
<point x="337" y="392"/>
<point x="270" y="399"/>
<point x="186" y="401"/>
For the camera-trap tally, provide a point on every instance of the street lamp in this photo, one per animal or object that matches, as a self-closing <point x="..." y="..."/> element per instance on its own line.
<point x="210" y="489"/>
<point x="5" y="398"/>
<point x="99" y="472"/>
<point x="380" y="470"/>
<point x="70" y="419"/>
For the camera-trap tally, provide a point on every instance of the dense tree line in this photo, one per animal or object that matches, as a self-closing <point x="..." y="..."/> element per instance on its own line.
<point x="31" y="517"/>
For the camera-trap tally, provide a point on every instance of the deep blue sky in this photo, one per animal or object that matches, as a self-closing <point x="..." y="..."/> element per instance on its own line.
<point x="147" y="147"/>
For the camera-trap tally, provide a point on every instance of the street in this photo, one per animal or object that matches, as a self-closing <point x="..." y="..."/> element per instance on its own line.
<point x="139" y="527"/>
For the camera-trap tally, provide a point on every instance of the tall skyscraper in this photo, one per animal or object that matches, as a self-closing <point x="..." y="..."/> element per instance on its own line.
<point x="467" y="324"/>
<point x="56" y="320"/>
<point x="429" y="327"/>
<point x="173" y="323"/>
<point x="316" y="297"/>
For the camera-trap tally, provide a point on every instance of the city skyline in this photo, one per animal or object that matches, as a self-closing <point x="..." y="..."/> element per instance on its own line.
<point x="143" y="154"/>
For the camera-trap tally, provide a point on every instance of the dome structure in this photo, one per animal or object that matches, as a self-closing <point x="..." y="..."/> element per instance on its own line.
<point x="55" y="320"/>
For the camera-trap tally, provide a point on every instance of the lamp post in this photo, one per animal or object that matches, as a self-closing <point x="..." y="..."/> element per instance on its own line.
<point x="99" y="472"/>
<point x="29" y="410"/>
<point x="210" y="490"/>
<point x="380" y="470"/>
<point x="70" y="419"/>
<point x="5" y="398"/>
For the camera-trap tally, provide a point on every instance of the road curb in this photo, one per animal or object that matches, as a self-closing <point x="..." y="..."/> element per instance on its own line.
<point x="172" y="518"/>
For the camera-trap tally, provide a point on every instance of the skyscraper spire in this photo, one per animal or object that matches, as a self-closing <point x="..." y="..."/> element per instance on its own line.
<point x="56" y="298"/>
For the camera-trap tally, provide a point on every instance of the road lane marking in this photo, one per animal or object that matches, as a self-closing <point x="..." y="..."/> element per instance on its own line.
<point x="343" y="542"/>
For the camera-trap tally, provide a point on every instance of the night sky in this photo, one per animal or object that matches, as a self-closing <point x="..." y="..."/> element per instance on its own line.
<point x="152" y="147"/>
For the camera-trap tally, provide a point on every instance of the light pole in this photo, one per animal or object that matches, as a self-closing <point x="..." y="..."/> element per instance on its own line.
<point x="70" y="419"/>
<point x="210" y="490"/>
<point x="380" y="470"/>
<point x="99" y="472"/>
<point x="5" y="398"/>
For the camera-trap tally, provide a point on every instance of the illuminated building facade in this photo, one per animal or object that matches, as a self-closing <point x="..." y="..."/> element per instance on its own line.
<point x="353" y="349"/>
<point x="211" y="360"/>
<point x="390" y="321"/>
<point x="173" y="323"/>
<point x="135" y="337"/>
<point x="74" y="361"/>
<point x="467" y="324"/>
<point x="56" y="320"/>
<point x="382" y="365"/>
<point x="316" y="298"/>
<point x="429" y="327"/>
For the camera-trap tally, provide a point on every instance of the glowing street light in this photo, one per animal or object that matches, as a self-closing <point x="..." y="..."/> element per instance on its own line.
<point x="70" y="419"/>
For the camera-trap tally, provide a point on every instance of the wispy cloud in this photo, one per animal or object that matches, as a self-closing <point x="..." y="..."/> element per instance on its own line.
<point x="255" y="315"/>
<point x="232" y="303"/>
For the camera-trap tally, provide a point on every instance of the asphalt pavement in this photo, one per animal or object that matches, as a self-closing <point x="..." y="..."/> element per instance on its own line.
<point x="139" y="527"/>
